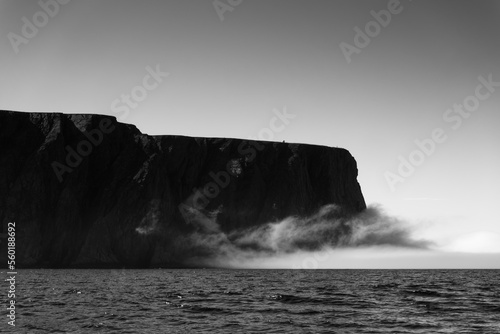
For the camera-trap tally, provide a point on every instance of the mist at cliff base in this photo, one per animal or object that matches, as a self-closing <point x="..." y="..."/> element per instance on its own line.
<point x="371" y="239"/>
<point x="362" y="258"/>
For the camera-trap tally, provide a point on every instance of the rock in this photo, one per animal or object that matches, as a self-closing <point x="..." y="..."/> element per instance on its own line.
<point x="88" y="191"/>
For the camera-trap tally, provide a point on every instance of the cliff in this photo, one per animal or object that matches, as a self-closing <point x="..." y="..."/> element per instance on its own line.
<point x="86" y="190"/>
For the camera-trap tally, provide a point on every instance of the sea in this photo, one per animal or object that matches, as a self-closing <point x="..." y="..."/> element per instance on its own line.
<point x="254" y="301"/>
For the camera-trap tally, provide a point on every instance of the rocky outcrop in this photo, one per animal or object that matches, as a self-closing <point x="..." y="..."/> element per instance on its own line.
<point x="86" y="190"/>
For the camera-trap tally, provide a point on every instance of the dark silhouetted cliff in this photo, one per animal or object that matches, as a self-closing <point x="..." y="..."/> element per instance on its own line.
<point x="85" y="190"/>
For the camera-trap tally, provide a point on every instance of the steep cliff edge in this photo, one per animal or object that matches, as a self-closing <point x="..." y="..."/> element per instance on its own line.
<point x="86" y="190"/>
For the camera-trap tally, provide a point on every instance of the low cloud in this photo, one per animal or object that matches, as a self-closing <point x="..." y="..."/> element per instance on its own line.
<point x="326" y="229"/>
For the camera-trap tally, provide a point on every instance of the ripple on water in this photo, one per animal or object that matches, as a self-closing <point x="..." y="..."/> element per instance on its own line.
<point x="258" y="301"/>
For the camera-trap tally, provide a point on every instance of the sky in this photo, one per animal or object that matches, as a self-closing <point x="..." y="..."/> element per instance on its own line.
<point x="225" y="68"/>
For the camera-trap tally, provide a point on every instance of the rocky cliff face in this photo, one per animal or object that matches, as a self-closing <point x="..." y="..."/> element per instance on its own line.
<point x="85" y="190"/>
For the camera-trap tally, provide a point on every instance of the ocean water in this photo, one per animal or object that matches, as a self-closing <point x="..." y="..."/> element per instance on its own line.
<point x="256" y="301"/>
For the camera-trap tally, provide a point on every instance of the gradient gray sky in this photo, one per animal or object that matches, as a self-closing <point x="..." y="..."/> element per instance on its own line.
<point x="226" y="77"/>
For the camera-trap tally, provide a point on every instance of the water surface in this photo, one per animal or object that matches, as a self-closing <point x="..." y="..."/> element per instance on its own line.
<point x="256" y="301"/>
